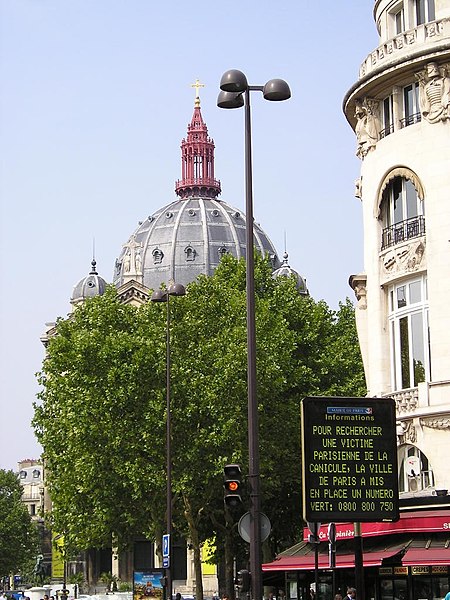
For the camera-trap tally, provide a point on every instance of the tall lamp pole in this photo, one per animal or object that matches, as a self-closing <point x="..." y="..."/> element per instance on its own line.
<point x="235" y="92"/>
<point x="174" y="289"/>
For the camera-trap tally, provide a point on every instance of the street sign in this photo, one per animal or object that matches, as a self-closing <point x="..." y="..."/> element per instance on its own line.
<point x="349" y="451"/>
<point x="166" y="562"/>
<point x="244" y="527"/>
<point x="166" y="545"/>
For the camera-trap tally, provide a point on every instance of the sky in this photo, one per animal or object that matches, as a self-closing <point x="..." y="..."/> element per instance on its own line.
<point x="95" y="98"/>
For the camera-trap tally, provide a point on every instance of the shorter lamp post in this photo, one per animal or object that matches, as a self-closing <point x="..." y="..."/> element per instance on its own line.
<point x="235" y="92"/>
<point x="174" y="289"/>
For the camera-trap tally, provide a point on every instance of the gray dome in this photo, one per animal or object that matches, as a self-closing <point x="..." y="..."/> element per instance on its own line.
<point x="88" y="287"/>
<point x="286" y="271"/>
<point x="184" y="239"/>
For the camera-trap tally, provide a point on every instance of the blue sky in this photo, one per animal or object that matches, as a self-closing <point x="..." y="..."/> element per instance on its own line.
<point x="95" y="100"/>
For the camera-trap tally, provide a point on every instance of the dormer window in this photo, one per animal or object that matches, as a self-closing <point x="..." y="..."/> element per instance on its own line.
<point x="23" y="474"/>
<point x="157" y="256"/>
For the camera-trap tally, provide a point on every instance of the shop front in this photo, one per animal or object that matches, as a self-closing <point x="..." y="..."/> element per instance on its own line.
<point x="406" y="560"/>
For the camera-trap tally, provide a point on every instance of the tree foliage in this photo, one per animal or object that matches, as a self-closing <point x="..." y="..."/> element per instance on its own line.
<point x="101" y="420"/>
<point x="18" y="535"/>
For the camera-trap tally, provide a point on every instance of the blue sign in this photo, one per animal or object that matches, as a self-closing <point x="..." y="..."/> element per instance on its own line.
<point x="166" y="545"/>
<point x="166" y="562"/>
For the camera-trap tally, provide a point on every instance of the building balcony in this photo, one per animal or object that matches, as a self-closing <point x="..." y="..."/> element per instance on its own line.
<point x="421" y="40"/>
<point x="402" y="232"/>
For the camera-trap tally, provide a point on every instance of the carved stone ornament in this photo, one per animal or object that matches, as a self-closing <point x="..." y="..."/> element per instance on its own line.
<point x="441" y="422"/>
<point x="406" y="432"/>
<point x="367" y="127"/>
<point x="434" y="92"/>
<point x="358" y="188"/>
<point x="358" y="284"/>
<point x="404" y="259"/>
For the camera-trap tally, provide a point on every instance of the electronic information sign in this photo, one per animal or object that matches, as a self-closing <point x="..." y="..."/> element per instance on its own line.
<point x="349" y="453"/>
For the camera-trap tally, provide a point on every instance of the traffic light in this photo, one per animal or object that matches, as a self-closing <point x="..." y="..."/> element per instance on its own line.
<point x="243" y="581"/>
<point x="232" y="484"/>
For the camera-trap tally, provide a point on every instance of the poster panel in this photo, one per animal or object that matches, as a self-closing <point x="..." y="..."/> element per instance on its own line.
<point x="148" y="585"/>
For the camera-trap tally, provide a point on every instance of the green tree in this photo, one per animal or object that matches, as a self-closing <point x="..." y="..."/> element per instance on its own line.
<point x="102" y="418"/>
<point x="101" y="425"/>
<point x="18" y="535"/>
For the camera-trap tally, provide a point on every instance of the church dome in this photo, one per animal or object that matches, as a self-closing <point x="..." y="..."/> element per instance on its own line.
<point x="189" y="236"/>
<point x="88" y="287"/>
<point x="184" y="239"/>
<point x="286" y="271"/>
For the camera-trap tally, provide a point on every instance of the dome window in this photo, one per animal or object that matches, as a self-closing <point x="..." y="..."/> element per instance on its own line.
<point x="158" y="255"/>
<point x="169" y="215"/>
<point x="215" y="213"/>
<point x="237" y="215"/>
<point x="191" y="212"/>
<point x="90" y="283"/>
<point x="222" y="251"/>
<point x="191" y="253"/>
<point x="150" y="219"/>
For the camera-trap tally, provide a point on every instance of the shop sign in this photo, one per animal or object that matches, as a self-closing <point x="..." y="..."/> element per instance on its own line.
<point x="420" y="570"/>
<point x="400" y="570"/>
<point x="429" y="521"/>
<point x="349" y="451"/>
<point x="441" y="569"/>
<point x="385" y="571"/>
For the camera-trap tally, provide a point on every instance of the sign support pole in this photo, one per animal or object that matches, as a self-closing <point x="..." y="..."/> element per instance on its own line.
<point x="359" y="567"/>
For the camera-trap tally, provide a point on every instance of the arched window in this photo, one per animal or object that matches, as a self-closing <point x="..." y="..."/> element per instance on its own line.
<point x="409" y="338"/>
<point x="402" y="212"/>
<point x="415" y="473"/>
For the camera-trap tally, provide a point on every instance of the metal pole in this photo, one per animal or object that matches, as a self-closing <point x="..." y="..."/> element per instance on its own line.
<point x="359" y="566"/>
<point x="253" y="442"/>
<point x="168" y="452"/>
<point x="316" y="569"/>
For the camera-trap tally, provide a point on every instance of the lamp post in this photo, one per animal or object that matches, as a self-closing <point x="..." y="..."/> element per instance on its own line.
<point x="235" y="93"/>
<point x="174" y="289"/>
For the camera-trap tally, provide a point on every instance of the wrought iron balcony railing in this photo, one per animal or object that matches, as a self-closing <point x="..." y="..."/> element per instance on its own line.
<point x="403" y="231"/>
<point x="411" y="119"/>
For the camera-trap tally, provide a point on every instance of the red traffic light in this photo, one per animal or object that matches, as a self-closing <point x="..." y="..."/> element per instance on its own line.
<point x="232" y="485"/>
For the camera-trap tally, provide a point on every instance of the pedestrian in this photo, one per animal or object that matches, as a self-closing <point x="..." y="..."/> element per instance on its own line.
<point x="351" y="593"/>
<point x="338" y="597"/>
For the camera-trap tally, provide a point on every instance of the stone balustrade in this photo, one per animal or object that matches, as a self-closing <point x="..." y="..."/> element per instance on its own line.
<point x="406" y="43"/>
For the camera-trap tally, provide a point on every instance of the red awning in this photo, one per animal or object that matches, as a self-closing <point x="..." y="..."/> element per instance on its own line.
<point x="426" y="556"/>
<point x="427" y="521"/>
<point x="343" y="561"/>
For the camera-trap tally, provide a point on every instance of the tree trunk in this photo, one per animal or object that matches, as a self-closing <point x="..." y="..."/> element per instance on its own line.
<point x="194" y="539"/>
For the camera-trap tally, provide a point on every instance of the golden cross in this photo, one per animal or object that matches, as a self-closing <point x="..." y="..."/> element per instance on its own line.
<point x="197" y="85"/>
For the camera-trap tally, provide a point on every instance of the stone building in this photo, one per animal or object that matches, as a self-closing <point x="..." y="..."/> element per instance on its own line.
<point x="399" y="109"/>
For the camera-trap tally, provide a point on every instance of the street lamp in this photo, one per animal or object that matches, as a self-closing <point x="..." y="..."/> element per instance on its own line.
<point x="174" y="289"/>
<point x="235" y="92"/>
